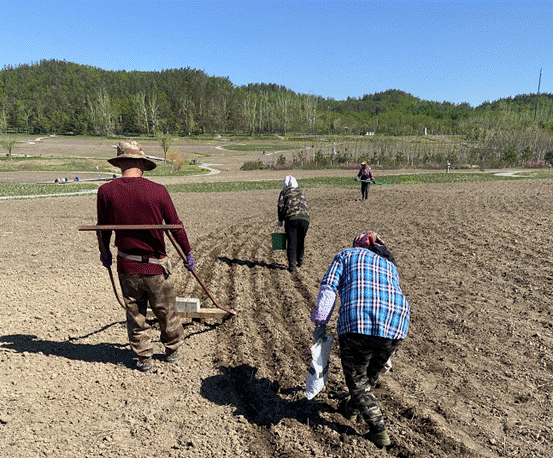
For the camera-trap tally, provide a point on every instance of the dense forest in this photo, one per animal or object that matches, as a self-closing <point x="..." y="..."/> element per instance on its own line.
<point x="53" y="96"/>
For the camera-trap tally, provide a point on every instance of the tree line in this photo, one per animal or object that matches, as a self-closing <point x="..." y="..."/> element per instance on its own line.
<point x="53" y="96"/>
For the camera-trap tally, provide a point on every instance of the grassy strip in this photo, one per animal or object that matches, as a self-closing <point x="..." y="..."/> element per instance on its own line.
<point x="166" y="169"/>
<point x="23" y="189"/>
<point x="18" y="189"/>
<point x="424" y="178"/>
<point x="37" y="164"/>
<point x="83" y="165"/>
<point x="259" y="147"/>
<point x="225" y="186"/>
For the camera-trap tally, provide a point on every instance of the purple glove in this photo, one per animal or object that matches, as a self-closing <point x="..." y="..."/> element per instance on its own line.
<point x="189" y="264"/>
<point x="107" y="262"/>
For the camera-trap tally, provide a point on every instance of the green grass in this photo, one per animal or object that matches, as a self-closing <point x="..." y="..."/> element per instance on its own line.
<point x="19" y="189"/>
<point x="539" y="173"/>
<point x="74" y="165"/>
<point x="259" y="147"/>
<point x="165" y="169"/>
<point x="424" y="178"/>
<point x="38" y="164"/>
<point x="225" y="186"/>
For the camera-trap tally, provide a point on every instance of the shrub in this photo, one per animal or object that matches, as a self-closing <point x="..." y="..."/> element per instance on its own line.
<point x="300" y="157"/>
<point x="510" y="155"/>
<point x="252" y="165"/>
<point x="400" y="157"/>
<point x="176" y="158"/>
<point x="320" y="158"/>
<point x="526" y="154"/>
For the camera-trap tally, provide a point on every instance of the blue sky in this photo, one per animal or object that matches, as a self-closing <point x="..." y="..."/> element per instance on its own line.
<point x="442" y="51"/>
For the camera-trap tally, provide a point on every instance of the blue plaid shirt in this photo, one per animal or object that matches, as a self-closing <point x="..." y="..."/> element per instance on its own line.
<point x="371" y="299"/>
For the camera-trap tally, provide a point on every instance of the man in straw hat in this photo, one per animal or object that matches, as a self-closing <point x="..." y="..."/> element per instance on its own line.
<point x="142" y="263"/>
<point x="373" y="320"/>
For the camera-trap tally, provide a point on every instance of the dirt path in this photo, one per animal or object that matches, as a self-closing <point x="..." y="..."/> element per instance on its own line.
<point x="473" y="378"/>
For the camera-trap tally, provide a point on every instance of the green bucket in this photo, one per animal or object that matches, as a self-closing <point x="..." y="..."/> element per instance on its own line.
<point x="278" y="240"/>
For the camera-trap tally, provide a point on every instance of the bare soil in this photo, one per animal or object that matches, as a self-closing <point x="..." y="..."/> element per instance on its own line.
<point x="474" y="378"/>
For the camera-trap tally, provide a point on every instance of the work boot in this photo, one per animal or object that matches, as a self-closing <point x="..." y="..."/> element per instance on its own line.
<point x="381" y="439"/>
<point x="291" y="268"/>
<point x="174" y="357"/>
<point x="144" y="364"/>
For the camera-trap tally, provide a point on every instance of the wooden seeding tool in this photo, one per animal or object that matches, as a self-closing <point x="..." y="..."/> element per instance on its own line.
<point x="204" y="313"/>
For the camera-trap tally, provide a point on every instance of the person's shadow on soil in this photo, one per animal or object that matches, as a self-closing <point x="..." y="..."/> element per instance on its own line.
<point x="260" y="402"/>
<point x="251" y="264"/>
<point x="93" y="353"/>
<point x="111" y="353"/>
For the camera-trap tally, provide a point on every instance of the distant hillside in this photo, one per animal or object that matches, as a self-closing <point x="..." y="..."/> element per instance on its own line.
<point x="53" y="96"/>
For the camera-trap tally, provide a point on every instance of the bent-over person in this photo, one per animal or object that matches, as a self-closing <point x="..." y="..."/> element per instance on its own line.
<point x="373" y="320"/>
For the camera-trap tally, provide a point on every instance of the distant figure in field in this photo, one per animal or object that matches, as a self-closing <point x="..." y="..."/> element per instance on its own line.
<point x="366" y="176"/>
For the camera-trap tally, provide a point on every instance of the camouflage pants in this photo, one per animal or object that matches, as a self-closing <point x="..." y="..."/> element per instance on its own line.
<point x="363" y="358"/>
<point x="158" y="291"/>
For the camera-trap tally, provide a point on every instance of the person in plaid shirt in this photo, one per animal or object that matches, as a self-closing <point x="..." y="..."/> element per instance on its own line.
<point x="373" y="320"/>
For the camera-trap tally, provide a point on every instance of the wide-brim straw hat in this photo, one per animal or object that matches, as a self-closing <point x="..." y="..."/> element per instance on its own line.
<point x="131" y="150"/>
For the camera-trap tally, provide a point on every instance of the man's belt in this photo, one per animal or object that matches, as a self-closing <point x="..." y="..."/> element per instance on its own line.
<point x="136" y="258"/>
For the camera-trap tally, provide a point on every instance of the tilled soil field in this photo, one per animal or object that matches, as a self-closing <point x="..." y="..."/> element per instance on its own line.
<point x="474" y="378"/>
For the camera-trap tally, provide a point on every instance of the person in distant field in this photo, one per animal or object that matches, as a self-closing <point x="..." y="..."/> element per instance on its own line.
<point x="142" y="264"/>
<point x="366" y="176"/>
<point x="373" y="320"/>
<point x="294" y="212"/>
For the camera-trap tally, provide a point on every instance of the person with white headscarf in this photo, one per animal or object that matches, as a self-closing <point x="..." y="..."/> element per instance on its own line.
<point x="294" y="212"/>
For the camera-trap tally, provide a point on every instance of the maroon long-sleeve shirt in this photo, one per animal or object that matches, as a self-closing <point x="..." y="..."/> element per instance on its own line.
<point x="138" y="200"/>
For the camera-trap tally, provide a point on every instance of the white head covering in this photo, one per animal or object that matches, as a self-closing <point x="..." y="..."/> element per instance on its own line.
<point x="289" y="181"/>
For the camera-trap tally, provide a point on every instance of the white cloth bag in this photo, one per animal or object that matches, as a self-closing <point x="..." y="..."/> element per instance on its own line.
<point x="318" y="370"/>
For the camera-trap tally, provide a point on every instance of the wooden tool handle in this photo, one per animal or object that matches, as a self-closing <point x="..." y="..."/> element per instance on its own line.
<point x="184" y="258"/>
